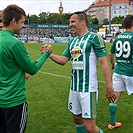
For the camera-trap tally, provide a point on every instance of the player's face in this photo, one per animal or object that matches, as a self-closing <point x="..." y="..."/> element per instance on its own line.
<point x="19" y="25"/>
<point x="75" y="24"/>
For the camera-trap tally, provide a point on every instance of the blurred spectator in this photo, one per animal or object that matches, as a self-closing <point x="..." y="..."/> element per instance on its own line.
<point x="36" y="34"/>
<point x="1" y="25"/>
<point x="117" y="33"/>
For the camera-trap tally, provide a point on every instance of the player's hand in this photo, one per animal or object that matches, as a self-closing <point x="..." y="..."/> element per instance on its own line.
<point x="50" y="48"/>
<point x="27" y="76"/>
<point x="110" y="94"/>
<point x="46" y="48"/>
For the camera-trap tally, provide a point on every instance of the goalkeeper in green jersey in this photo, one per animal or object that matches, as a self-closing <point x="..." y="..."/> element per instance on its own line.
<point x="123" y="68"/>
<point x="15" y="62"/>
<point x="84" y="51"/>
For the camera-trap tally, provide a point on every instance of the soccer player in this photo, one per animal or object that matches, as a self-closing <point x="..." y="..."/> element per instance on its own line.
<point x="84" y="51"/>
<point x="123" y="69"/>
<point x="15" y="62"/>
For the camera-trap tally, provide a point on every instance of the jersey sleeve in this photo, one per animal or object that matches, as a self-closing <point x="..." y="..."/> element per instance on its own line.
<point x="67" y="51"/>
<point x="24" y="61"/>
<point x="99" y="46"/>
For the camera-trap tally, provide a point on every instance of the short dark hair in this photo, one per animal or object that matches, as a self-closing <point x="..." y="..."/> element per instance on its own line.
<point x="81" y="16"/>
<point x="10" y="12"/>
<point x="128" y="21"/>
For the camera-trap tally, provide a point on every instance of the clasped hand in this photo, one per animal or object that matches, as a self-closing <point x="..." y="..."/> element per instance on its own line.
<point x="46" y="48"/>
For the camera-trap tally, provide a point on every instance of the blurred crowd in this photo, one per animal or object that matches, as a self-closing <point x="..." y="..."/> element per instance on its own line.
<point x="38" y="33"/>
<point x="28" y="33"/>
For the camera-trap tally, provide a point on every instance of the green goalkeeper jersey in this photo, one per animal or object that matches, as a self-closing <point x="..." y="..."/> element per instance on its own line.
<point x="84" y="52"/>
<point x="123" y="49"/>
<point x="14" y="62"/>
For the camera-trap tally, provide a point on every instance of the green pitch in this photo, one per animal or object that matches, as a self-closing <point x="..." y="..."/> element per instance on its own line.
<point x="47" y="96"/>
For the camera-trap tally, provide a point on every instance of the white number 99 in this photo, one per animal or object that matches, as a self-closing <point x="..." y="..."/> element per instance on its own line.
<point x="123" y="49"/>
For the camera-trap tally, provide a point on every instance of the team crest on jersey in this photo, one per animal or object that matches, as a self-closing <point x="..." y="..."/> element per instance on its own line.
<point x="76" y="52"/>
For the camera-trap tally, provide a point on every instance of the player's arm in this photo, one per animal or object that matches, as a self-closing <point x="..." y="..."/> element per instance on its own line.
<point x="107" y="76"/>
<point x="62" y="60"/>
<point x="24" y="61"/>
<point x="111" y="56"/>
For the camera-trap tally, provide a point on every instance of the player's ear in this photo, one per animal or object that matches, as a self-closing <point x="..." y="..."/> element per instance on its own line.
<point x="13" y="21"/>
<point x="83" y="23"/>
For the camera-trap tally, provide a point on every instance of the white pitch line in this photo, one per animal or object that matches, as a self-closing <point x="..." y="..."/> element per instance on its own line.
<point x="57" y="75"/>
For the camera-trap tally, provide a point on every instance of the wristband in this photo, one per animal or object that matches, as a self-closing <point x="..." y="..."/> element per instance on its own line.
<point x="51" y="55"/>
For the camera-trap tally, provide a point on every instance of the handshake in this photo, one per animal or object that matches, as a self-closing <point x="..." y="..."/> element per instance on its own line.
<point x="46" y="48"/>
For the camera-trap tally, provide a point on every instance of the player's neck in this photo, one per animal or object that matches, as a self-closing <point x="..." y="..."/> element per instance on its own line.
<point x="7" y="28"/>
<point x="129" y="30"/>
<point x="83" y="32"/>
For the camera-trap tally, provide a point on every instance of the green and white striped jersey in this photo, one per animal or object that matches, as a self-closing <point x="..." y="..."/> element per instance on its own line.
<point x="84" y="52"/>
<point x="123" y="48"/>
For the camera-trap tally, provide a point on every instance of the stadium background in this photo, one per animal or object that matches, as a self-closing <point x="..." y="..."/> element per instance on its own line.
<point x="49" y="33"/>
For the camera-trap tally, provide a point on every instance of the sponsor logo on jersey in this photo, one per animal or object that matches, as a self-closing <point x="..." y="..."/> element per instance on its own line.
<point x="77" y="65"/>
<point x="76" y="52"/>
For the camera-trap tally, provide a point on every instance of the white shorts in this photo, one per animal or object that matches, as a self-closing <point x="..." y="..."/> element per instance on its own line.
<point x="84" y="103"/>
<point x="123" y="83"/>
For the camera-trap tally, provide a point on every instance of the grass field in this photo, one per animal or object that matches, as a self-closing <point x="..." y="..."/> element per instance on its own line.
<point x="47" y="96"/>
